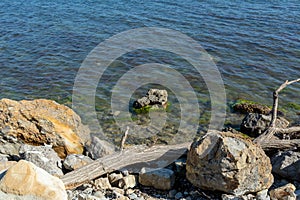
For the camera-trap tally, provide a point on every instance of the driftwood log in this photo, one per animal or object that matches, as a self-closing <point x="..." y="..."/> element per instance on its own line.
<point x="133" y="159"/>
<point x="268" y="140"/>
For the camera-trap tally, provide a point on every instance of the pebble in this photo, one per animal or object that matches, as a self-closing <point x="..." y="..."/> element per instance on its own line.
<point x="133" y="196"/>
<point x="178" y="195"/>
<point x="172" y="193"/>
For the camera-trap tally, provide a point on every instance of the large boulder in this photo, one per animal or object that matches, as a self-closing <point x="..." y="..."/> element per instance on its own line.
<point x="255" y="124"/>
<point x="287" y="164"/>
<point x="41" y="121"/>
<point x="26" y="179"/>
<point x="227" y="162"/>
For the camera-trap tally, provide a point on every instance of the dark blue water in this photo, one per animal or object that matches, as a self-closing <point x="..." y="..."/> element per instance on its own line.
<point x="255" y="44"/>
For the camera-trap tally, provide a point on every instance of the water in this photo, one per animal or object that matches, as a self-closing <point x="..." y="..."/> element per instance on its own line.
<point x="256" y="46"/>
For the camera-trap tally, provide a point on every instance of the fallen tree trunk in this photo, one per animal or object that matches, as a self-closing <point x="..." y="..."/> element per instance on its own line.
<point x="268" y="140"/>
<point x="133" y="159"/>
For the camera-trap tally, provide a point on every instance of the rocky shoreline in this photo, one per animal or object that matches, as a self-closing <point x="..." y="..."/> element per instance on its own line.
<point x="41" y="141"/>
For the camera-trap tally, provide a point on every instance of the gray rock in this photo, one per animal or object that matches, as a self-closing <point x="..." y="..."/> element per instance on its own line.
<point x="99" y="148"/>
<point x="262" y="195"/>
<point x="179" y="195"/>
<point x="75" y="161"/>
<point x="44" y="157"/>
<point x="255" y="124"/>
<point x="133" y="196"/>
<point x="153" y="97"/>
<point x="3" y="158"/>
<point x="287" y="164"/>
<point x="227" y="162"/>
<point x="172" y="193"/>
<point x="162" y="179"/>
<point x="11" y="150"/>
<point x="297" y="193"/>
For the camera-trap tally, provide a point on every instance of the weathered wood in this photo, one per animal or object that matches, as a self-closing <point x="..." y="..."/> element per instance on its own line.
<point x="132" y="159"/>
<point x="275" y="100"/>
<point x="267" y="140"/>
<point x="124" y="137"/>
<point x="276" y="144"/>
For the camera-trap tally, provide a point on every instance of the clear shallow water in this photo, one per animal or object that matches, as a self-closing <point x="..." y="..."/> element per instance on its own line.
<point x="256" y="46"/>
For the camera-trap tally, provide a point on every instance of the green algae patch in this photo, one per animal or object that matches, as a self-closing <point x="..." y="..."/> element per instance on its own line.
<point x="149" y="108"/>
<point x="245" y="106"/>
<point x="294" y="106"/>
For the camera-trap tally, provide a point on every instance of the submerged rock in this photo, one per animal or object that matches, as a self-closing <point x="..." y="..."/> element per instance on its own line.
<point x="244" y="107"/>
<point x="154" y="97"/>
<point x="227" y="162"/>
<point x="40" y="122"/>
<point x="24" y="178"/>
<point x="255" y="124"/>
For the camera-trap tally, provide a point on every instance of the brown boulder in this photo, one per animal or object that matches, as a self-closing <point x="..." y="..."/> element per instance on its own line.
<point x="41" y="121"/>
<point x="227" y="162"/>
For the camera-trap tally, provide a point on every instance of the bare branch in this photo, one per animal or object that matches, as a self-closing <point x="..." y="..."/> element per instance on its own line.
<point x="124" y="137"/>
<point x="275" y="100"/>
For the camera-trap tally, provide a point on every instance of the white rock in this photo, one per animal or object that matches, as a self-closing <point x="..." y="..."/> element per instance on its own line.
<point x="24" y="178"/>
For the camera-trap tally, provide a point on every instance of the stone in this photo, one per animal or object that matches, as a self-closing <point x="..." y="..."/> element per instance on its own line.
<point x="41" y="121"/>
<point x="243" y="197"/>
<point x="75" y="161"/>
<point x="153" y="97"/>
<point x="99" y="148"/>
<point x="118" y="190"/>
<point x="4" y="165"/>
<point x="255" y="124"/>
<point x="287" y="164"/>
<point x="249" y="107"/>
<point x="132" y="196"/>
<point x="44" y="157"/>
<point x="179" y="195"/>
<point x="262" y="195"/>
<point x="127" y="182"/>
<point x="162" y="179"/>
<point x="102" y="183"/>
<point x="285" y="192"/>
<point x="3" y="158"/>
<point x="172" y="193"/>
<point x="297" y="193"/>
<point x="99" y="194"/>
<point x="11" y="150"/>
<point x="114" y="179"/>
<point x="228" y="162"/>
<point x="24" y="178"/>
